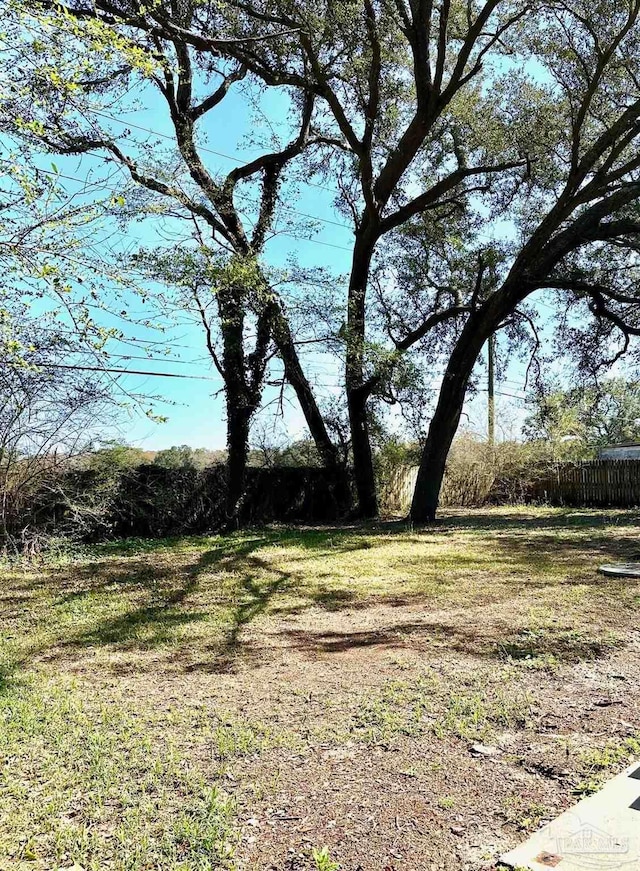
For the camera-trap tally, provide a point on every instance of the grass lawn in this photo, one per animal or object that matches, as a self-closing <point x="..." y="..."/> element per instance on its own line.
<point x="309" y="699"/>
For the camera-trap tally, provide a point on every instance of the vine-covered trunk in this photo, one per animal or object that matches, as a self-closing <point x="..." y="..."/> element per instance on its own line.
<point x="237" y="452"/>
<point x="239" y="399"/>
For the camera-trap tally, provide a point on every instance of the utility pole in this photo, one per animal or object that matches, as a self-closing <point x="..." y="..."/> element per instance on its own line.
<point x="491" y="391"/>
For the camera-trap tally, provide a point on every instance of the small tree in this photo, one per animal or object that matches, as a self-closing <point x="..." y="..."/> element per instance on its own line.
<point x="579" y="420"/>
<point x="48" y="418"/>
<point x="176" y="457"/>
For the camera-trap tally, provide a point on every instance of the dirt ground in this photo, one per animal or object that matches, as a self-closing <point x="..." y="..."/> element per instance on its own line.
<point x="400" y="728"/>
<point x="404" y="801"/>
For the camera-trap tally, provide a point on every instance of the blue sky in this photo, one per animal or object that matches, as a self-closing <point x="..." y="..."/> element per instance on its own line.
<point x="195" y="408"/>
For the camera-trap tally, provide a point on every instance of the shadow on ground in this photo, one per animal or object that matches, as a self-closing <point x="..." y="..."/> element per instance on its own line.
<point x="161" y="582"/>
<point x="433" y="636"/>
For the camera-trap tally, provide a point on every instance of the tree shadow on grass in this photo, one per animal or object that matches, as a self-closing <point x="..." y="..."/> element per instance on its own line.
<point x="166" y="587"/>
<point x="436" y="637"/>
<point x="156" y="623"/>
<point x="251" y="600"/>
<point x="325" y="598"/>
<point x="561" y="518"/>
<point x="143" y="628"/>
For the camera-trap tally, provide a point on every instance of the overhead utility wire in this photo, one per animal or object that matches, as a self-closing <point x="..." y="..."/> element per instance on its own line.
<point x="127" y="371"/>
<point x="279" y="233"/>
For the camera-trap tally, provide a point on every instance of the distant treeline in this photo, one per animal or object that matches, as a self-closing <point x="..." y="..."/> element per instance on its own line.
<point x="120" y="454"/>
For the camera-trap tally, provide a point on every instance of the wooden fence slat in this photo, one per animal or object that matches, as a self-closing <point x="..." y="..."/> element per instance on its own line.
<point x="589" y="483"/>
<point x="592" y="482"/>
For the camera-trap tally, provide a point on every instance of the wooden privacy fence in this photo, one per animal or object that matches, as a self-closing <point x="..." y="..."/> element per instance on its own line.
<point x="470" y="488"/>
<point x="592" y="482"/>
<point x="397" y="492"/>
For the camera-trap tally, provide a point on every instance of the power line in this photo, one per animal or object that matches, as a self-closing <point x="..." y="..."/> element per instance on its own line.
<point x="240" y="161"/>
<point x="312" y="217"/>
<point x="115" y="356"/>
<point x="327" y="221"/>
<point x="128" y="372"/>
<point x="146" y="358"/>
<point x="280" y="233"/>
<point x="146" y="373"/>
<point x="117" y="338"/>
<point x="313" y="241"/>
<point x="511" y="395"/>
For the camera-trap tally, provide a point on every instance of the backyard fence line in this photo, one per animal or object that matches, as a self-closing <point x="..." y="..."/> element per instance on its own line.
<point x="593" y="482"/>
<point x="613" y="483"/>
<point x="397" y="491"/>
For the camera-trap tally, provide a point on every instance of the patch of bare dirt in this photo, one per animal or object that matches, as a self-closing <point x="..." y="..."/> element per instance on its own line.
<point x="404" y="802"/>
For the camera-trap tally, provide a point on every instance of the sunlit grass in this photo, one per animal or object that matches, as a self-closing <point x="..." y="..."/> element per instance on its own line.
<point x="93" y="777"/>
<point x="138" y="595"/>
<point x="99" y="782"/>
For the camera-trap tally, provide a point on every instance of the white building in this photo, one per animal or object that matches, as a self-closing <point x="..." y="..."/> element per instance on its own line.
<point x="624" y="451"/>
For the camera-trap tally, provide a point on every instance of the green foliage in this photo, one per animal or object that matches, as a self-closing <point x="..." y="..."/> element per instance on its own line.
<point x="574" y="422"/>
<point x="323" y="861"/>
<point x="488" y="176"/>
<point x="114" y="457"/>
<point x="176" y="457"/>
<point x="298" y="453"/>
<point x="186" y="457"/>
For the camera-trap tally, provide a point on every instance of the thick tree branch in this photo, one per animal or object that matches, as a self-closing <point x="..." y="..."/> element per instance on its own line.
<point x="433" y="197"/>
<point x="385" y="369"/>
<point x="219" y="94"/>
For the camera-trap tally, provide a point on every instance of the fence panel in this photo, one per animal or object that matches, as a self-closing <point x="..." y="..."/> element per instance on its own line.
<point x="593" y="482"/>
<point x="397" y="494"/>
<point x="590" y="483"/>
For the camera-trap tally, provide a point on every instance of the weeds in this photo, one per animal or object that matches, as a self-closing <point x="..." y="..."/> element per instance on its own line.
<point x="323" y="861"/>
<point x="430" y="705"/>
<point x="93" y="777"/>
<point x="597" y="763"/>
<point x="97" y="785"/>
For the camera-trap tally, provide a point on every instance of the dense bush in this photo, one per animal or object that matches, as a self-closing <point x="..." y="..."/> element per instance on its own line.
<point x="476" y="473"/>
<point x="505" y="474"/>
<point x="153" y="500"/>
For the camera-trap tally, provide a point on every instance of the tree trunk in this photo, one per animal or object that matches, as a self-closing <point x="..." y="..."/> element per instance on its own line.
<point x="436" y="450"/>
<point x="444" y="422"/>
<point x="237" y="451"/>
<point x="328" y="452"/>
<point x="240" y="403"/>
<point x="354" y="375"/>
<point x="362" y="455"/>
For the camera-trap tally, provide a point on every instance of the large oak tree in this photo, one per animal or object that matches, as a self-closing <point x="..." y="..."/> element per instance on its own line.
<point x="501" y="134"/>
<point x="523" y="117"/>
